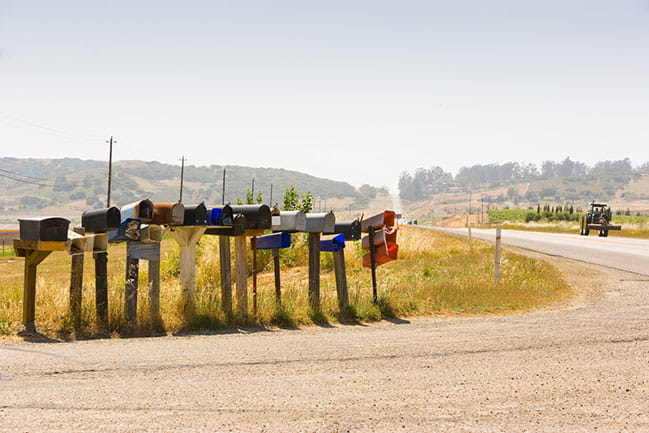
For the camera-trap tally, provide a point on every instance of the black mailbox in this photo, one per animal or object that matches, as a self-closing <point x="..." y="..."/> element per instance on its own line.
<point x="49" y="229"/>
<point x="257" y="215"/>
<point x="101" y="220"/>
<point x="351" y="230"/>
<point x="237" y="228"/>
<point x="195" y="215"/>
<point x="142" y="210"/>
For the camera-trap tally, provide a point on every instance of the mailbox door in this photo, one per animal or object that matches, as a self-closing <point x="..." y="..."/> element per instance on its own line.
<point x="350" y="229"/>
<point x="195" y="215"/>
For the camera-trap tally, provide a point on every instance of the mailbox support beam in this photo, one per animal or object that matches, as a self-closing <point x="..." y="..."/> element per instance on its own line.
<point x="130" y="293"/>
<point x="341" y="279"/>
<point x="314" y="271"/>
<point x="226" y="275"/>
<point x="76" y="288"/>
<point x="375" y="298"/>
<point x="187" y="237"/>
<point x="32" y="259"/>
<point x="278" y="284"/>
<point x="154" y="294"/>
<point x="253" y="244"/>
<point x="241" y="282"/>
<point x="101" y="289"/>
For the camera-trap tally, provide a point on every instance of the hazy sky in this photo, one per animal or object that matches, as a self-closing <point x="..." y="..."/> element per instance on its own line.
<point x="351" y="90"/>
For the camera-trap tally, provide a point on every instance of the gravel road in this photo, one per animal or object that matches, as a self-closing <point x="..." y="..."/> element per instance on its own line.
<point x="581" y="366"/>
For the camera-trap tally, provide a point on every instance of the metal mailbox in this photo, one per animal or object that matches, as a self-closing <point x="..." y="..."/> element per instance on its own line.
<point x="289" y="221"/>
<point x="195" y="215"/>
<point x="274" y="241"/>
<point x="129" y="230"/>
<point x="44" y="229"/>
<point x="101" y="220"/>
<point x="150" y="233"/>
<point x="384" y="253"/>
<point x="320" y="222"/>
<point x="220" y="216"/>
<point x="384" y="219"/>
<point x="168" y="214"/>
<point x="350" y="229"/>
<point x="332" y="244"/>
<point x="257" y="215"/>
<point x="237" y="228"/>
<point x="384" y="236"/>
<point x="142" y="210"/>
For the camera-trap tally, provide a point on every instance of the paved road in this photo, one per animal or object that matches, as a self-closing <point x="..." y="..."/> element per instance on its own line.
<point x="620" y="253"/>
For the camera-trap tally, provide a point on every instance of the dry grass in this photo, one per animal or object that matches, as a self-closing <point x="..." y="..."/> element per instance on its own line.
<point x="629" y="230"/>
<point x="435" y="274"/>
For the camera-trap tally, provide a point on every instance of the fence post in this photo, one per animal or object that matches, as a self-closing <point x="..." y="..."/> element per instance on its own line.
<point x="241" y="281"/>
<point x="497" y="261"/>
<point x="226" y="276"/>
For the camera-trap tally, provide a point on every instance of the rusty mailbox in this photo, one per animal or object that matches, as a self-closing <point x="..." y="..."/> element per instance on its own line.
<point x="323" y="222"/>
<point x="383" y="219"/>
<point x="195" y="215"/>
<point x="142" y="210"/>
<point x="289" y="221"/>
<point x="258" y="216"/>
<point x="101" y="220"/>
<point x="220" y="216"/>
<point x="168" y="214"/>
<point x="48" y="229"/>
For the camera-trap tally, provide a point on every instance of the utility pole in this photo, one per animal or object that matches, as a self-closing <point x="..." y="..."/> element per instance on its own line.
<point x="481" y="208"/>
<point x="182" y="175"/>
<point x="110" y="168"/>
<point x="253" y="189"/>
<point x="270" y="202"/>
<point x="223" y="193"/>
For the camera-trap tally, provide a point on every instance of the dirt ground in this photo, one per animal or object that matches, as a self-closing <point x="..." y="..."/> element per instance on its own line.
<point x="580" y="366"/>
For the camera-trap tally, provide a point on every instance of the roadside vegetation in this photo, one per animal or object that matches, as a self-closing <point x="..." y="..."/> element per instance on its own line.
<point x="435" y="274"/>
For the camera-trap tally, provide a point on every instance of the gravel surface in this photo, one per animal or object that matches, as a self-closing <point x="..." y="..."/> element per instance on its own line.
<point x="580" y="366"/>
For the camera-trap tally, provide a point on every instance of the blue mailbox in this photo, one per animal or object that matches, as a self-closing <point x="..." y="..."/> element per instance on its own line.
<point x="220" y="216"/>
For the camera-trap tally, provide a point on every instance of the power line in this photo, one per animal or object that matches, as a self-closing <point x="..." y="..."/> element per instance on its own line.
<point x="24" y="175"/>
<point x="26" y="124"/>
<point x="25" y="181"/>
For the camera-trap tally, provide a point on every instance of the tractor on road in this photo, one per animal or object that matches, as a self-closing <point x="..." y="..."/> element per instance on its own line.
<point x="598" y="218"/>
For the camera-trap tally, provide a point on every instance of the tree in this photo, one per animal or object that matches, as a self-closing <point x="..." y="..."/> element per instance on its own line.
<point x="306" y="204"/>
<point x="259" y="198"/>
<point x="249" y="198"/>
<point x="291" y="199"/>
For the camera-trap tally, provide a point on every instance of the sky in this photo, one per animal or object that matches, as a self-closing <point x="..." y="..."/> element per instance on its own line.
<point x="357" y="91"/>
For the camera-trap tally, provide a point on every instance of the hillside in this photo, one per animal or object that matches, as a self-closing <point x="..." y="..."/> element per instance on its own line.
<point x="434" y="192"/>
<point x="68" y="186"/>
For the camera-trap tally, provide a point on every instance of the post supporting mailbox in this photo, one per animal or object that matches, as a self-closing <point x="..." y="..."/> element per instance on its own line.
<point x="336" y="245"/>
<point x="381" y="242"/>
<point x="226" y="275"/>
<point x="76" y="251"/>
<point x="38" y="238"/>
<point x="187" y="237"/>
<point x="274" y="242"/>
<point x="100" y="255"/>
<point x="314" y="271"/>
<point x="136" y="251"/>
<point x="241" y="276"/>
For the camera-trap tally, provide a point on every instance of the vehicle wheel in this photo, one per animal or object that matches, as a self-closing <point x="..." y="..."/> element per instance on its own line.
<point x="604" y="233"/>
<point x="586" y="229"/>
<point x="581" y="227"/>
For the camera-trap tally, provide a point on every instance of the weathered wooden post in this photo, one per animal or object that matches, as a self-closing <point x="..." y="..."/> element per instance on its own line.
<point x="350" y="231"/>
<point x="336" y="245"/>
<point x="277" y="274"/>
<point x="130" y="290"/>
<point x="375" y="298"/>
<point x="253" y="246"/>
<point x="316" y="224"/>
<point x="241" y="273"/>
<point x="226" y="275"/>
<point x="497" y="260"/>
<point x="187" y="237"/>
<point x="274" y="242"/>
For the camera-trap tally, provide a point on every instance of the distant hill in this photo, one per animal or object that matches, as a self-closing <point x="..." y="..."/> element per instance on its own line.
<point x="68" y="186"/>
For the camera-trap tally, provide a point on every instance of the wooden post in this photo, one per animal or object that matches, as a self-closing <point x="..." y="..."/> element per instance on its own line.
<point x="253" y="245"/>
<point x="101" y="289"/>
<point x="154" y="293"/>
<point x="341" y="279"/>
<point x="187" y="237"/>
<point x="130" y="292"/>
<point x="76" y="288"/>
<point x="278" y="284"/>
<point x="497" y="261"/>
<point x="226" y="275"/>
<point x="375" y="296"/>
<point x="314" y="271"/>
<point x="32" y="259"/>
<point x="470" y="238"/>
<point x="241" y="280"/>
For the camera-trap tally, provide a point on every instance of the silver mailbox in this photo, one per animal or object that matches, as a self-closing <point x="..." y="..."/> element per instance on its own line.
<point x="320" y="222"/>
<point x="289" y="221"/>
